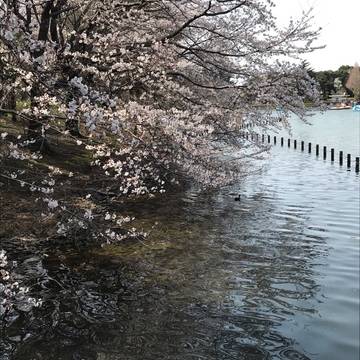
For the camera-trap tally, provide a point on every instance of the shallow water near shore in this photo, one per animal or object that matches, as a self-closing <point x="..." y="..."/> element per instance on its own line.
<point x="272" y="276"/>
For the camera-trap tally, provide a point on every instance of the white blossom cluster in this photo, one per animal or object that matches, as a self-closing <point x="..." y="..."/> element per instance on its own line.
<point x="12" y="293"/>
<point x="18" y="151"/>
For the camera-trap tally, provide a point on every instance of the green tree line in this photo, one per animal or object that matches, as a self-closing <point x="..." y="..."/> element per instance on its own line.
<point x="327" y="80"/>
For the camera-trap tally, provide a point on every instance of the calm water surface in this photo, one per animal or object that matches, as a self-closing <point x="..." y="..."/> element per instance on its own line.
<point x="272" y="276"/>
<point x="338" y="129"/>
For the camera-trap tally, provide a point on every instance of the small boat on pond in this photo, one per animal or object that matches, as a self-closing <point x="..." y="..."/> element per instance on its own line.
<point x="340" y="107"/>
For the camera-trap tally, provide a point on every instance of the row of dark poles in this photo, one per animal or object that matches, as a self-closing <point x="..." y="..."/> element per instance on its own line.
<point x="309" y="149"/>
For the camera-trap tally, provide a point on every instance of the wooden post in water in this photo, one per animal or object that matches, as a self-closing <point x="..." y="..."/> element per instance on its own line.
<point x="317" y="149"/>
<point x="357" y="165"/>
<point x="262" y="137"/>
<point x="341" y="158"/>
<point x="332" y="155"/>
<point x="282" y="141"/>
<point x="274" y="140"/>
<point x="294" y="144"/>
<point x="269" y="139"/>
<point x="288" y="142"/>
<point x="309" y="147"/>
<point x="324" y="152"/>
<point x="348" y="160"/>
<point x="302" y="146"/>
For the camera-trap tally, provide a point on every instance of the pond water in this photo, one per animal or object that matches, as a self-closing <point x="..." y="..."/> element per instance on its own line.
<point x="272" y="276"/>
<point x="338" y="129"/>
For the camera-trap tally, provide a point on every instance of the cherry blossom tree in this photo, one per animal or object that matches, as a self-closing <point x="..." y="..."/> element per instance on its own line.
<point x="155" y="90"/>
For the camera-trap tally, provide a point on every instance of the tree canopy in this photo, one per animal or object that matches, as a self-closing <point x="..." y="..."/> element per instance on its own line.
<point x="327" y="80"/>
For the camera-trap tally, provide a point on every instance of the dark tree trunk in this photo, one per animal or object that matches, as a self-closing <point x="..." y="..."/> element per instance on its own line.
<point x="35" y="125"/>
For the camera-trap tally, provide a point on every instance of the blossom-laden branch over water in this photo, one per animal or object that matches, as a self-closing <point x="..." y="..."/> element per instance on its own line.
<point x="155" y="90"/>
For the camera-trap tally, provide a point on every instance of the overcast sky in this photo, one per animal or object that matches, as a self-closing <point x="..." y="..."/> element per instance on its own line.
<point x="340" y="23"/>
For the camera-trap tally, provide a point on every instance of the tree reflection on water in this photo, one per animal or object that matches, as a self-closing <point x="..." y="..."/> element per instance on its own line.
<point x="217" y="280"/>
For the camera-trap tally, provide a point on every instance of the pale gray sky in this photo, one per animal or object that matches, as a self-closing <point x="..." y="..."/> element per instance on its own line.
<point x="340" y="22"/>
